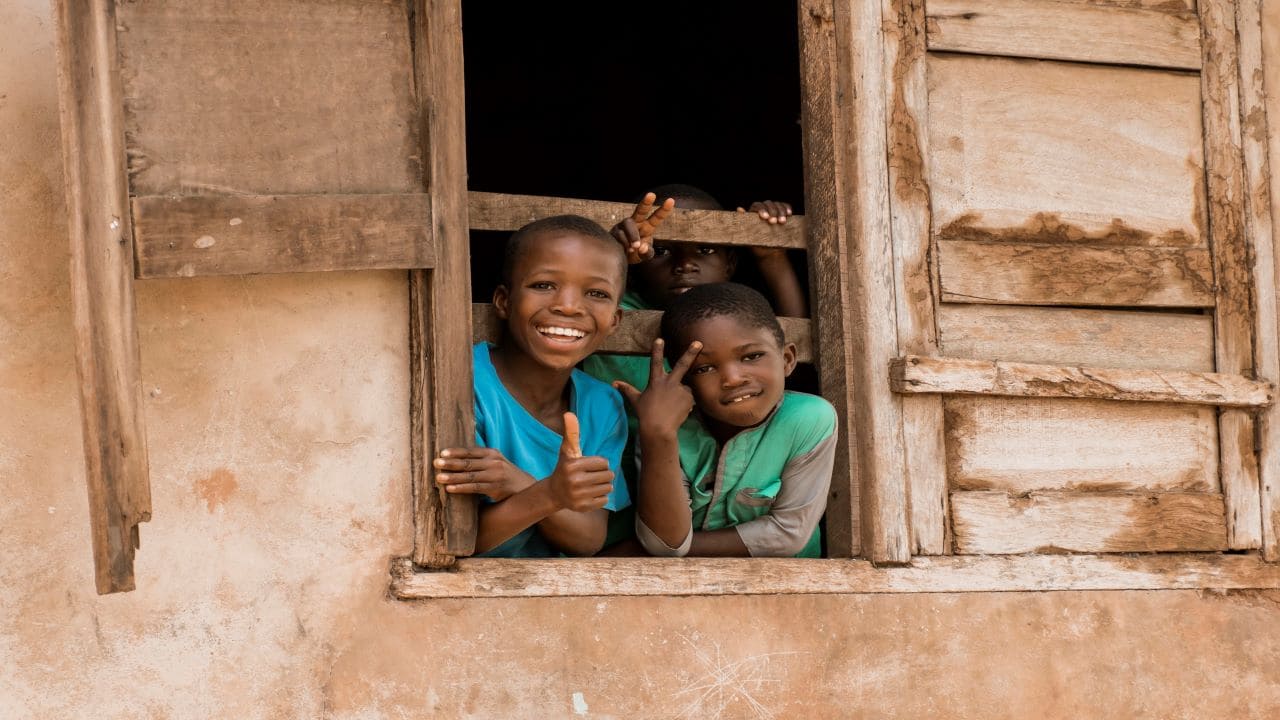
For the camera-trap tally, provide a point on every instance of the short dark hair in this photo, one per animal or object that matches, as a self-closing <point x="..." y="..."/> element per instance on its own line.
<point x="559" y="224"/>
<point x="681" y="190"/>
<point x="703" y="302"/>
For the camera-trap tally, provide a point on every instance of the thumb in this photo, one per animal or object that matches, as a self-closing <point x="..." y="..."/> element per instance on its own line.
<point x="572" y="445"/>
<point x="628" y="391"/>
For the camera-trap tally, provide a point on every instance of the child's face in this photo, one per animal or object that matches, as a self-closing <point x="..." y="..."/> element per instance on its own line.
<point x="676" y="267"/>
<point x="563" y="299"/>
<point x="740" y="375"/>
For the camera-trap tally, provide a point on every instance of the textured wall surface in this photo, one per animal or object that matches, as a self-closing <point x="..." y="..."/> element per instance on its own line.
<point x="278" y="438"/>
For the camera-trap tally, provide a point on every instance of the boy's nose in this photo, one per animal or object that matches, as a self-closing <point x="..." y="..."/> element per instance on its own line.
<point x="566" y="303"/>
<point x="686" y="263"/>
<point x="731" y="376"/>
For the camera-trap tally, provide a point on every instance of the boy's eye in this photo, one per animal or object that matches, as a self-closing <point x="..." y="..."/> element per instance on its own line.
<point x="752" y="357"/>
<point x="599" y="294"/>
<point x="699" y="369"/>
<point x="541" y="285"/>
<point x="707" y="250"/>
<point x="661" y="251"/>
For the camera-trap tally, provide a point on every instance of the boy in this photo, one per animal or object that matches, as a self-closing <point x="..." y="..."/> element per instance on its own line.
<point x="562" y="278"/>
<point x="660" y="272"/>
<point x="756" y="483"/>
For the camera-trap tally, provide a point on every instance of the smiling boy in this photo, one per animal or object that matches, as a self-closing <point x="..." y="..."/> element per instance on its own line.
<point x="549" y="488"/>
<point x="756" y="482"/>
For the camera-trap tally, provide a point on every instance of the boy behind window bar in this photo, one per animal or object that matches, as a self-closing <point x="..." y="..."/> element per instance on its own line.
<point x="548" y="488"/>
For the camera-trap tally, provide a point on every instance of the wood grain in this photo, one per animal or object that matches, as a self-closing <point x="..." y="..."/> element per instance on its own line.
<point x="500" y="211"/>
<point x="1023" y="274"/>
<point x="269" y="98"/>
<point x="189" y="236"/>
<point x="916" y="374"/>
<point x="1021" y="445"/>
<point x="1049" y="152"/>
<point x="102" y="298"/>
<point x="440" y="303"/>
<point x="679" y="577"/>
<point x="1076" y="336"/>
<point x="907" y="98"/>
<point x="638" y="330"/>
<point x="826" y="205"/>
<point x="995" y="523"/>
<point x="1053" y="30"/>
<point x="1233" y="311"/>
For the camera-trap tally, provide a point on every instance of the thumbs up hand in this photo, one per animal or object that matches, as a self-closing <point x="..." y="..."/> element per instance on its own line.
<point x="578" y="483"/>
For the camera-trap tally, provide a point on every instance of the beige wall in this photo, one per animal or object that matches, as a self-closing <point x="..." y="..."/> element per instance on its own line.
<point x="278" y="437"/>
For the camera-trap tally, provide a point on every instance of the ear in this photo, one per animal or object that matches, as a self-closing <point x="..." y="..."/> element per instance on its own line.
<point x="731" y="261"/>
<point x="788" y="359"/>
<point x="501" y="301"/>
<point x="617" y="322"/>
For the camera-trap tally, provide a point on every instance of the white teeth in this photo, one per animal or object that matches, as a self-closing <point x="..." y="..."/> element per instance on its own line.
<point x="562" y="331"/>
<point x="740" y="399"/>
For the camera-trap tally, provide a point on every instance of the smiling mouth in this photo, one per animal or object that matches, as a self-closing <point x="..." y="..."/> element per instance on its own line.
<point x="740" y="398"/>
<point x="559" y="333"/>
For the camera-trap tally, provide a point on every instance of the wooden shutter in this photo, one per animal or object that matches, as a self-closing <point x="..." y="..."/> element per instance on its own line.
<point x="1082" y="268"/>
<point x="230" y="138"/>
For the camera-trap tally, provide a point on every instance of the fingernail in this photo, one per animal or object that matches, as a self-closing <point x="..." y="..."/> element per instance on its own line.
<point x="444" y="453"/>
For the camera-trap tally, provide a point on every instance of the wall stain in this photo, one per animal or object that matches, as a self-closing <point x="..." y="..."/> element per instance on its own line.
<point x="217" y="488"/>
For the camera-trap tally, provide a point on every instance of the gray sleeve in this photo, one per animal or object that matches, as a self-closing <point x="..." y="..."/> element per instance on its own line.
<point x="799" y="506"/>
<point x="653" y="544"/>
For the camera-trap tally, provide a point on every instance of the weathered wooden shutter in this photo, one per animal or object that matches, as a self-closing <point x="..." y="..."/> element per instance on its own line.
<point x="1081" y="261"/>
<point x="229" y="138"/>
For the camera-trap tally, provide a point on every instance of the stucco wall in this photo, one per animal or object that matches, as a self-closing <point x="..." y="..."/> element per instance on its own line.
<point x="278" y="438"/>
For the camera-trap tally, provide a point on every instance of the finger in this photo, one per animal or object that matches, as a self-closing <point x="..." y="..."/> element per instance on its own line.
<point x="686" y="361"/>
<point x="644" y="207"/>
<point x="660" y="214"/>
<point x="628" y="391"/>
<point x="656" y="369"/>
<point x="471" y="489"/>
<point x="572" y="445"/>
<point x="741" y="209"/>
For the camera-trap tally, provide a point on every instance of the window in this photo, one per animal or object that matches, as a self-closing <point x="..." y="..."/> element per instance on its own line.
<point x="1064" y="247"/>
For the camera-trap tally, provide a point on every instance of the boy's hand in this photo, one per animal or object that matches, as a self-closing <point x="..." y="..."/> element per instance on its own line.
<point x="636" y="232"/>
<point x="770" y="211"/>
<point x="480" y="471"/>
<point x="581" y="484"/>
<point x="666" y="402"/>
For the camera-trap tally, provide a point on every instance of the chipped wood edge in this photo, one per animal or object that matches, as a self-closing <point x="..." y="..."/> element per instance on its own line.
<point x="826" y="206"/>
<point x="506" y="211"/>
<point x="1235" y="302"/>
<point x="1260" y="232"/>
<point x="915" y="374"/>
<point x="106" y="336"/>
<point x="907" y="100"/>
<point x="680" y="577"/>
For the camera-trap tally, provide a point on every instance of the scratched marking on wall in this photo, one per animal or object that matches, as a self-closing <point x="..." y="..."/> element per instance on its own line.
<point x="727" y="684"/>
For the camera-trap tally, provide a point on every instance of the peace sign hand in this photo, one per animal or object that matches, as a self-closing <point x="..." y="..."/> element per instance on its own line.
<point x="666" y="402"/>
<point x="636" y="232"/>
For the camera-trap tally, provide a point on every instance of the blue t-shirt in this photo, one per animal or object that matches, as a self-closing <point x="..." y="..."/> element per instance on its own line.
<point x="502" y="423"/>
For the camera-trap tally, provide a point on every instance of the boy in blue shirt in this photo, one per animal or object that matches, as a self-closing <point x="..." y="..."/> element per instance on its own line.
<point x="756" y="482"/>
<point x="549" y="487"/>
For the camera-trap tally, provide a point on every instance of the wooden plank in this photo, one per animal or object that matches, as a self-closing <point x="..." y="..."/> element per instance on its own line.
<point x="996" y="523"/>
<point x="269" y="98"/>
<point x="1054" y="30"/>
<point x="1233" y="315"/>
<point x="1024" y="445"/>
<point x="445" y="527"/>
<point x="1049" y="152"/>
<point x="102" y="300"/>
<point x="1023" y="274"/>
<point x="1259" y="232"/>
<point x="501" y="211"/>
<point x="200" y="235"/>
<point x="916" y="374"/>
<point x="1075" y="336"/>
<point x="866" y="257"/>
<point x="826" y="203"/>
<point x="602" y="577"/>
<point x="906" y="96"/>
<point x="639" y="328"/>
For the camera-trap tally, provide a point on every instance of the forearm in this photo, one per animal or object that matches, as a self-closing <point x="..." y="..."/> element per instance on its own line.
<point x="575" y="533"/>
<point x="718" y="543"/>
<point x="501" y="521"/>
<point x="784" y="286"/>
<point x="662" y="503"/>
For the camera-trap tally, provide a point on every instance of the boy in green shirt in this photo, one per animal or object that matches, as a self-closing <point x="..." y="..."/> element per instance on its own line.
<point x="755" y="484"/>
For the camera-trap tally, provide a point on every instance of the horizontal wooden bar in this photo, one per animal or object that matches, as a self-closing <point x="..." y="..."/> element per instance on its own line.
<point x="639" y="328"/>
<point x="196" y="235"/>
<point x="1067" y="274"/>
<point x="1055" y="30"/>
<point x="916" y="374"/>
<point x="591" y="577"/>
<point x="502" y="211"/>
<point x="997" y="523"/>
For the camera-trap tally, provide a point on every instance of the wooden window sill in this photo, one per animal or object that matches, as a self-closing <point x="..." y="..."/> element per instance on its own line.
<point x="498" y="578"/>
